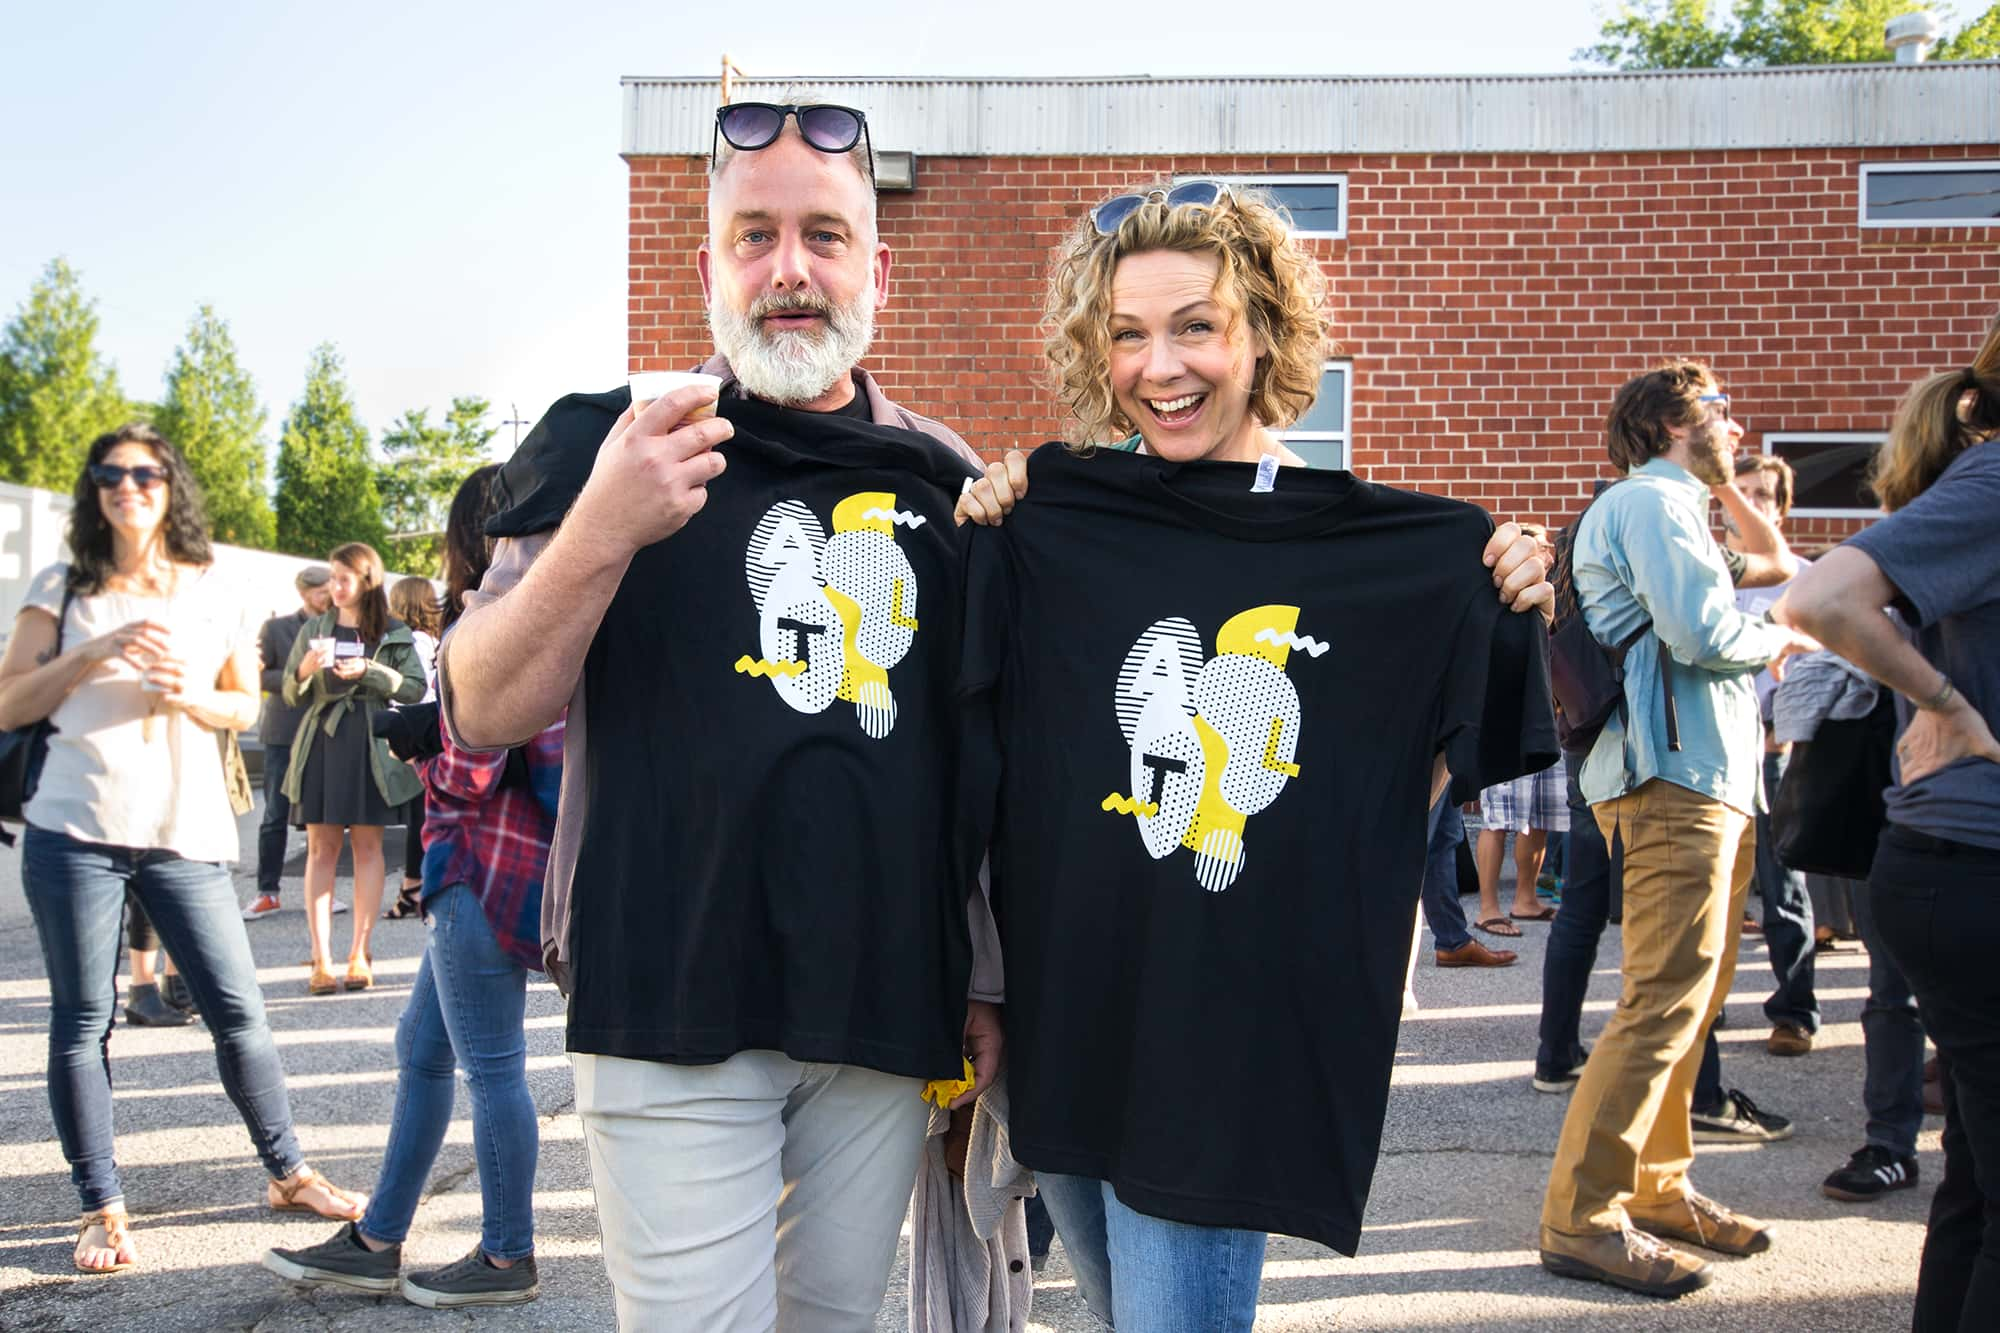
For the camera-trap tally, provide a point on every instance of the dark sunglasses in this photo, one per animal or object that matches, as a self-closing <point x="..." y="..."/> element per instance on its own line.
<point x="748" y="126"/>
<point x="1188" y="194"/>
<point x="109" y="476"/>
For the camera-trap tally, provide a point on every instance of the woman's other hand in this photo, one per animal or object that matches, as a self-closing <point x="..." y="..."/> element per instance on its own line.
<point x="314" y="660"/>
<point x="993" y="497"/>
<point x="141" y="642"/>
<point x="350" y="668"/>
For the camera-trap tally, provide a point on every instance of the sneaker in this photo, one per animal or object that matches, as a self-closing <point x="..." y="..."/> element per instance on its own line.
<point x="1738" y="1120"/>
<point x="342" y="1261"/>
<point x="1789" y="1039"/>
<point x="339" y="907"/>
<point x="1630" y="1259"/>
<point x="1700" y="1220"/>
<point x="1869" y="1174"/>
<point x="145" y="1009"/>
<point x="263" y="905"/>
<point x="1559" y="1080"/>
<point x="473" y="1280"/>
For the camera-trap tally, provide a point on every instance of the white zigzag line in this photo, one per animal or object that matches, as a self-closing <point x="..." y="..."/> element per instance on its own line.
<point x="902" y="518"/>
<point x="1307" y="642"/>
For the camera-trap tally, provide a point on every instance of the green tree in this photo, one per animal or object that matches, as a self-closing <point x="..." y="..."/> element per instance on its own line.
<point x="211" y="412"/>
<point x="56" y="392"/>
<point x="1694" y="34"/>
<point x="422" y="468"/>
<point x="326" y="481"/>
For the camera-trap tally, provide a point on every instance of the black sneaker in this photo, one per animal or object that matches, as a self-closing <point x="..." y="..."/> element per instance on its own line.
<point x="342" y="1261"/>
<point x="473" y="1280"/>
<point x="1560" y="1080"/>
<point x="145" y="1009"/>
<point x="1738" y="1120"/>
<point x="1869" y="1174"/>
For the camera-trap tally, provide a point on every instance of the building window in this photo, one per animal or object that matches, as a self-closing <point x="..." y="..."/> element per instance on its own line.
<point x="1318" y="204"/>
<point x="1830" y="470"/>
<point x="1320" y="436"/>
<point x="1931" y="194"/>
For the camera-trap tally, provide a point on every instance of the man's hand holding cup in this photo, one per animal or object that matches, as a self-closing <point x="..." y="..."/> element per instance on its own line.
<point x="652" y="472"/>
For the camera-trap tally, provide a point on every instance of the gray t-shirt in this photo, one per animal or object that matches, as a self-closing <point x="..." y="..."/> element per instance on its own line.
<point x="1941" y="552"/>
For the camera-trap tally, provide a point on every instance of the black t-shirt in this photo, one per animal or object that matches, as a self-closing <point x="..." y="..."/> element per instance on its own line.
<point x="1202" y="724"/>
<point x="766" y="860"/>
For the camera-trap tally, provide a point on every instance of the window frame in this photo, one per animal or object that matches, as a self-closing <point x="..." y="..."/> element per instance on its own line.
<point x="1345" y="436"/>
<point x="1291" y="178"/>
<point x="1774" y="437"/>
<point x="1865" y="169"/>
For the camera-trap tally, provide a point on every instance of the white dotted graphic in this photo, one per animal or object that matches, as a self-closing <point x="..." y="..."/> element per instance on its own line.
<point x="1168" y="772"/>
<point x="872" y="569"/>
<point x="1243" y="698"/>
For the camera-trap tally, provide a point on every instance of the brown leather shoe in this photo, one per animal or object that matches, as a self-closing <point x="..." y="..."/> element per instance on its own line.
<point x="1789" y="1039"/>
<point x="1700" y="1220"/>
<point x="1629" y="1259"/>
<point x="1474" y="954"/>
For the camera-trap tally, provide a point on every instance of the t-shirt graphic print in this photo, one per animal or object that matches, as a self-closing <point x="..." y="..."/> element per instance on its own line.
<point x="1212" y="739"/>
<point x="833" y="616"/>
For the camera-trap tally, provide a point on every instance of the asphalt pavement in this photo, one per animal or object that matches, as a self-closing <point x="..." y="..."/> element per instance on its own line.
<point x="1451" y="1223"/>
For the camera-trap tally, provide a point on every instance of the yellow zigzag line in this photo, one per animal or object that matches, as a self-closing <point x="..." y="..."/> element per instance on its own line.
<point x="1129" y="805"/>
<point x="759" y="667"/>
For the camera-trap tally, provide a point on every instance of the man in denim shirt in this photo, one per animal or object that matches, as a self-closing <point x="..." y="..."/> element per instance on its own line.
<point x="1676" y="775"/>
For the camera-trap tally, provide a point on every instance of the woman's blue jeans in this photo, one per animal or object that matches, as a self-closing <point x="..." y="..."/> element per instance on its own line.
<point x="76" y="893"/>
<point x="1144" y="1274"/>
<point x="465" y="1012"/>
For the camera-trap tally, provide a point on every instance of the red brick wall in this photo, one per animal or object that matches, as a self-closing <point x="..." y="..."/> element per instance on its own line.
<point x="1491" y="304"/>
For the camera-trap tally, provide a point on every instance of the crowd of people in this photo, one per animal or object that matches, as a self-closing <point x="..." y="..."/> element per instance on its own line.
<point x="795" y="787"/>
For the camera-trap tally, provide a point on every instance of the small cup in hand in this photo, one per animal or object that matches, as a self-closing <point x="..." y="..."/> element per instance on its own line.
<point x="650" y="384"/>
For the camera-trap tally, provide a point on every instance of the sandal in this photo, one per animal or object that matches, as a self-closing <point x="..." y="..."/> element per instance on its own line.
<point x="116" y="1227"/>
<point x="1499" y="925"/>
<point x="1540" y="914"/>
<point x="283" y="1197"/>
<point x="321" y="982"/>
<point x="359" y="976"/>
<point x="406" y="904"/>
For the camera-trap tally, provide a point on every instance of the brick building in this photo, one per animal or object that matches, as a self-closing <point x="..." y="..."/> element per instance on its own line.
<point x="1502" y="252"/>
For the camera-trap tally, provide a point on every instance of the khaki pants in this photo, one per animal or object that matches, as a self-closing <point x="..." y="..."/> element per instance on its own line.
<point x="1688" y="865"/>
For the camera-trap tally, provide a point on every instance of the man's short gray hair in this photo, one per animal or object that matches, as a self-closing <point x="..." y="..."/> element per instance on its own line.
<point x="802" y="95"/>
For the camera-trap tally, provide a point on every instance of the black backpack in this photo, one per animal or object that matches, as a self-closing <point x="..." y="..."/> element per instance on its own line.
<point x="1586" y="676"/>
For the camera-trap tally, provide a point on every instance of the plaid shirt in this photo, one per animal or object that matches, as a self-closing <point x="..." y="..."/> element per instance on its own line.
<point x="494" y="838"/>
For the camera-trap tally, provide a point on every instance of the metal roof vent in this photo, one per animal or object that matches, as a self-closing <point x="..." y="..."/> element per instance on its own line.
<point x="1911" y="36"/>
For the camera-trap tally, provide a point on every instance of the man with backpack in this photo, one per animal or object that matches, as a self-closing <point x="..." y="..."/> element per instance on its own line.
<point x="1673" y="776"/>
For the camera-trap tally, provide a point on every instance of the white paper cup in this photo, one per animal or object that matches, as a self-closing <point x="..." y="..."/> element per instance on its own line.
<point x="650" y="384"/>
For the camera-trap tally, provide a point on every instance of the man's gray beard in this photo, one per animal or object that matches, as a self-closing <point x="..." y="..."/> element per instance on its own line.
<point x="790" y="368"/>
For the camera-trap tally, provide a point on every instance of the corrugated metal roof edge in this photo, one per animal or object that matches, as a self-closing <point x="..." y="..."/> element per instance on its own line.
<point x="1758" y="71"/>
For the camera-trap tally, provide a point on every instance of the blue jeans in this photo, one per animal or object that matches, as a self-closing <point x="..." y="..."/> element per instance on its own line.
<point x="1573" y="936"/>
<point x="465" y="1011"/>
<point x="1442" y="910"/>
<point x="1788" y="922"/>
<point x="76" y="893"/>
<point x="276" y="823"/>
<point x="1144" y="1274"/>
<point x="1892" y="1043"/>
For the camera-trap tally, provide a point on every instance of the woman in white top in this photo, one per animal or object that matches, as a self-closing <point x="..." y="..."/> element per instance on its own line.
<point x="136" y="654"/>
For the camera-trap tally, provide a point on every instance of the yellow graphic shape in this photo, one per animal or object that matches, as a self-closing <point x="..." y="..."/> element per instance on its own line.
<point x="1271" y="750"/>
<point x="756" y="667"/>
<point x="1212" y="812"/>
<point x="847" y="514"/>
<point x="1239" y="634"/>
<point x="896" y="616"/>
<point x="1129" y="805"/>
<point x="855" y="670"/>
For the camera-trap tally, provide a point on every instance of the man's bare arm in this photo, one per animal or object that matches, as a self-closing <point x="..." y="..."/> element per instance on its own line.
<point x="1767" y="557"/>
<point x="513" y="663"/>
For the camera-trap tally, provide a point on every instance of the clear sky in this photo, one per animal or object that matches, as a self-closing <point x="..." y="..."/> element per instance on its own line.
<point x="436" y="188"/>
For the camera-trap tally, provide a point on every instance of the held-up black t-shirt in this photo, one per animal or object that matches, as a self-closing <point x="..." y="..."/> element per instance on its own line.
<point x="766" y="861"/>
<point x="1202" y="724"/>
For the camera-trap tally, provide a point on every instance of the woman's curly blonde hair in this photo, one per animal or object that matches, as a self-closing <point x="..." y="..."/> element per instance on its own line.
<point x="1265" y="278"/>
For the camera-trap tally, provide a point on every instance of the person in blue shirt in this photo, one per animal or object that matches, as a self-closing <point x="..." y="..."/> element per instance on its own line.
<point x="1675" y="775"/>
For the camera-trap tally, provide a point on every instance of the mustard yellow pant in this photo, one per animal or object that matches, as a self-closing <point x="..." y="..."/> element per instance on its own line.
<point x="1688" y="864"/>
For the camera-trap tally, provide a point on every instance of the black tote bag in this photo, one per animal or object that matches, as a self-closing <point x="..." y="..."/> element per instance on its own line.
<point x="22" y="751"/>
<point x="1827" y="812"/>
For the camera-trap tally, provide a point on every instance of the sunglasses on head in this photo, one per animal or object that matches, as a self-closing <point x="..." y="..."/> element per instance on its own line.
<point x="109" y="476"/>
<point x="748" y="126"/>
<point x="1188" y="194"/>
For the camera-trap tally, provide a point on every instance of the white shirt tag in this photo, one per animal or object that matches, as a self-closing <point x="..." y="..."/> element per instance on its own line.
<point x="1267" y="474"/>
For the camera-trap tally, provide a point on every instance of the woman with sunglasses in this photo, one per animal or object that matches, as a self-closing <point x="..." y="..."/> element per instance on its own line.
<point x="137" y="655"/>
<point x="1184" y="323"/>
